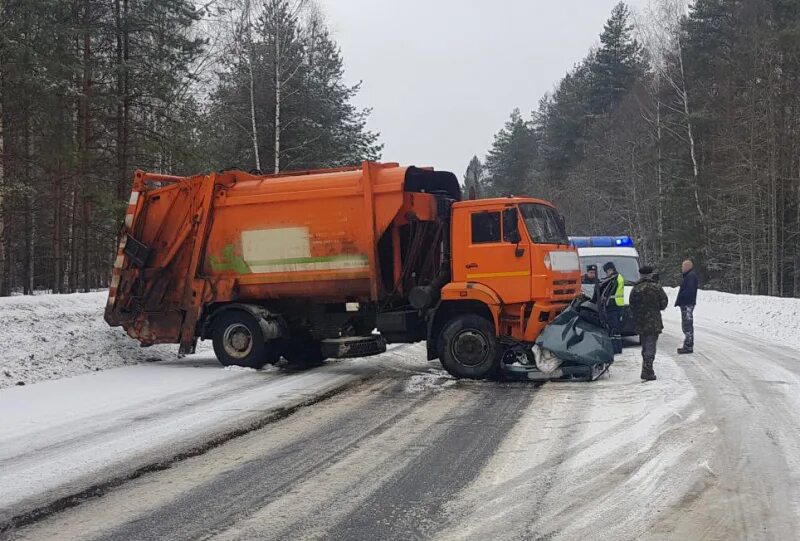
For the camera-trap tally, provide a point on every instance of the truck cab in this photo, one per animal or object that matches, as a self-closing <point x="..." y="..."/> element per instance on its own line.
<point x="511" y="265"/>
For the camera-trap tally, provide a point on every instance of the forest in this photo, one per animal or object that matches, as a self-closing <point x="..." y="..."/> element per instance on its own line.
<point x="91" y="90"/>
<point x="680" y="128"/>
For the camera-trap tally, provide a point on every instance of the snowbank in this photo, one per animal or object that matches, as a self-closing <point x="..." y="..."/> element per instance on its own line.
<point x="771" y="318"/>
<point x="55" y="336"/>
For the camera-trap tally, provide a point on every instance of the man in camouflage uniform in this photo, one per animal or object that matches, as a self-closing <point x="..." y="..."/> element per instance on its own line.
<point x="647" y="301"/>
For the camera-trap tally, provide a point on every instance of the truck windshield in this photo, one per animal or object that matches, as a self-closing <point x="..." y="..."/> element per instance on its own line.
<point x="545" y="225"/>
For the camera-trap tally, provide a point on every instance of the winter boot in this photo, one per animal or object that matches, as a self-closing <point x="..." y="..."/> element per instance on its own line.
<point x="647" y="371"/>
<point x="684" y="350"/>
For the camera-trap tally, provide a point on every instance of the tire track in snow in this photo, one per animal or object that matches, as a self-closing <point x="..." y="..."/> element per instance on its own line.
<point x="345" y="466"/>
<point x="756" y="494"/>
<point x="68" y="475"/>
<point x="586" y="456"/>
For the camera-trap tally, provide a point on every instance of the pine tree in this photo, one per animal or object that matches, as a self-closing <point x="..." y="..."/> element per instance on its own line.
<point x="308" y="116"/>
<point x="95" y="84"/>
<point x="474" y="179"/>
<point x="510" y="160"/>
<point x="617" y="65"/>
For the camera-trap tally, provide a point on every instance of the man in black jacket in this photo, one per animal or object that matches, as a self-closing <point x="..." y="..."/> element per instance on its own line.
<point x="687" y="298"/>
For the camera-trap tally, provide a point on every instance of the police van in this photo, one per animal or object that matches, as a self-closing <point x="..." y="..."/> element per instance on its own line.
<point x="620" y="251"/>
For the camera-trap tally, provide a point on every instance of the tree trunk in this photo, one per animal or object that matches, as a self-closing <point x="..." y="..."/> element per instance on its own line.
<point x="3" y="284"/>
<point x="86" y="221"/>
<point x="277" y="167"/>
<point x="690" y="135"/>
<point x="57" y="208"/>
<point x="126" y="102"/>
<point x="120" y="76"/>
<point x="741" y="267"/>
<point x="72" y="243"/>
<point x="773" y="197"/>
<point x="253" y="123"/>
<point x="659" y="180"/>
<point x="87" y="137"/>
<point x="796" y="242"/>
<point x="250" y="58"/>
<point x="30" y="222"/>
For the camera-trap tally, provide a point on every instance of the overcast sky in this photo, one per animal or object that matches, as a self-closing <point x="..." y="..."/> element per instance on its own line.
<point x="442" y="76"/>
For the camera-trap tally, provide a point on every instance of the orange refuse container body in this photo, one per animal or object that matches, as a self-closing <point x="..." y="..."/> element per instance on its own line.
<point x="328" y="254"/>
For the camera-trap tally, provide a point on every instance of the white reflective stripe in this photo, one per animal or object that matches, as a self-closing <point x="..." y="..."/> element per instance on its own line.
<point x="111" y="300"/>
<point x="134" y="198"/>
<point x="114" y="281"/>
<point x="123" y="243"/>
<point x="118" y="261"/>
<point x="129" y="220"/>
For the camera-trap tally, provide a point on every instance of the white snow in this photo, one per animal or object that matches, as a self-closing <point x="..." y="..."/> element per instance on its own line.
<point x="774" y="319"/>
<point x="60" y="437"/>
<point x="431" y="380"/>
<point x="55" y="336"/>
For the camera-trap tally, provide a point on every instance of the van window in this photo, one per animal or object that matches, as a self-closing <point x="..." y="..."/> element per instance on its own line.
<point x="485" y="227"/>
<point x="627" y="266"/>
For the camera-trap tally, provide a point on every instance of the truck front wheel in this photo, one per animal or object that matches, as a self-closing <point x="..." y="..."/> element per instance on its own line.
<point x="238" y="340"/>
<point x="470" y="348"/>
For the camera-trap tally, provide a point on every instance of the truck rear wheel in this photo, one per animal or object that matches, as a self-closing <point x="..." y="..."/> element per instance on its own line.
<point x="238" y="340"/>
<point x="470" y="348"/>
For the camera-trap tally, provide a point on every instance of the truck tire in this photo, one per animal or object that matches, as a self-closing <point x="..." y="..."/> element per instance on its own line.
<point x="238" y="340"/>
<point x="469" y="348"/>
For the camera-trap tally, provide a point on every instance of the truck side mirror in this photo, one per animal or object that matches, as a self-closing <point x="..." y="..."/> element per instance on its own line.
<point x="514" y="237"/>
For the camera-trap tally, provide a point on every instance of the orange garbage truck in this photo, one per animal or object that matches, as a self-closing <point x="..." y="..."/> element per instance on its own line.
<point x="307" y="265"/>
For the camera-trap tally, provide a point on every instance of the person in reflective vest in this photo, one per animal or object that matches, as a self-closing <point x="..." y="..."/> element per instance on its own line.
<point x="611" y="299"/>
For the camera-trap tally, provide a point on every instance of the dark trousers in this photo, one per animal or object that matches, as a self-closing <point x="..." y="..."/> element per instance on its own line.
<point x="687" y="326"/>
<point x="614" y="324"/>
<point x="649" y="342"/>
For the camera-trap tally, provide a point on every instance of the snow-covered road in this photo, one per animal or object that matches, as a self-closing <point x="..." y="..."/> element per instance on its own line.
<point x="62" y="437"/>
<point x="709" y="451"/>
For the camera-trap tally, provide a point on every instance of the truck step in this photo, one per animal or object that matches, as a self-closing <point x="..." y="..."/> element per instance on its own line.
<point x="353" y="346"/>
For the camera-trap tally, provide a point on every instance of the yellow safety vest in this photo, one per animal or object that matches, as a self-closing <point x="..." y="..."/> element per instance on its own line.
<point x="619" y="294"/>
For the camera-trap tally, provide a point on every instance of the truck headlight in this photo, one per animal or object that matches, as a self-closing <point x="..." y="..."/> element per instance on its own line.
<point x="562" y="261"/>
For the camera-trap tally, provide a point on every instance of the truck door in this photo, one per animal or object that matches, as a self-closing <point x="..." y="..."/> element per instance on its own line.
<point x="497" y="254"/>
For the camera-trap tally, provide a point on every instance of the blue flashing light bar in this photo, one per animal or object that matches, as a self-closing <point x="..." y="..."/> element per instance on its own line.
<point x="602" y="242"/>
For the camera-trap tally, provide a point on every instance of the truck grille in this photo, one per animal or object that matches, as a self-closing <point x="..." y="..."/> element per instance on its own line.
<point x="565" y="287"/>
